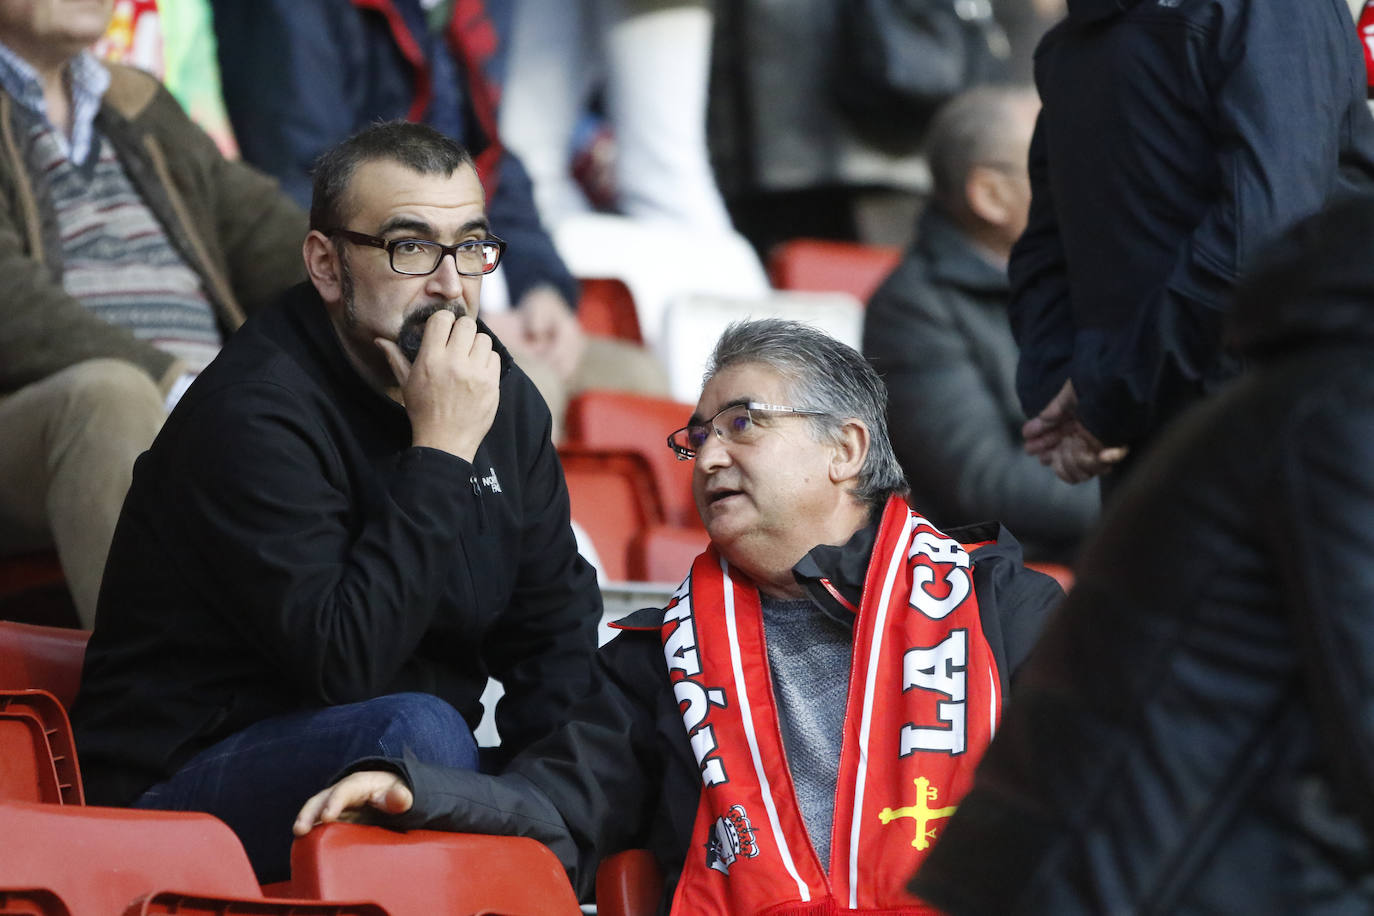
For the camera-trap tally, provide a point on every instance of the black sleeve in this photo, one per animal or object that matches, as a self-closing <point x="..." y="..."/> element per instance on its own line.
<point x="1040" y="310"/>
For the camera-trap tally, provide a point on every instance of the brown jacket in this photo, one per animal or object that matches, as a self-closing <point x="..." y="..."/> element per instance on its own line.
<point x="231" y="224"/>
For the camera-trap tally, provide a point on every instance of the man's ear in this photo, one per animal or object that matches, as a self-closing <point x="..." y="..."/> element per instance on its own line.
<point x="986" y="192"/>
<point x="322" y="264"/>
<point x="849" y="451"/>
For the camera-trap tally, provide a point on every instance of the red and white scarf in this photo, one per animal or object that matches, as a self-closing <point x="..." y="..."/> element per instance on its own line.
<point x="924" y="699"/>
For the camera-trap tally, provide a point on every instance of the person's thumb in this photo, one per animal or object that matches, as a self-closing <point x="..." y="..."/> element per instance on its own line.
<point x="395" y="799"/>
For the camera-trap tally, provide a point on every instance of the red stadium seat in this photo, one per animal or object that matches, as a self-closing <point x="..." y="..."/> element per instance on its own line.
<point x="628" y="883"/>
<point x="172" y="903"/>
<point x="817" y="265"/>
<point x="97" y="860"/>
<point x="613" y="498"/>
<point x="607" y="308"/>
<point x="47" y="658"/>
<point x="424" y="872"/>
<point x="664" y="553"/>
<point x="37" y="755"/>
<point x="619" y="420"/>
<point x="32" y="902"/>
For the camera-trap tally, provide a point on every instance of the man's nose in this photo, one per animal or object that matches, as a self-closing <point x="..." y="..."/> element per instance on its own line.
<point x="712" y="454"/>
<point x="445" y="281"/>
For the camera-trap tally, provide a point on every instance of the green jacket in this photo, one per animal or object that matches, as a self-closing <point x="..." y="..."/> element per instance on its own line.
<point x="231" y="224"/>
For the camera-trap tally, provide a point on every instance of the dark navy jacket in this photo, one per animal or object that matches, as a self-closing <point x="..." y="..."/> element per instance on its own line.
<point x="301" y="75"/>
<point x="1177" y="137"/>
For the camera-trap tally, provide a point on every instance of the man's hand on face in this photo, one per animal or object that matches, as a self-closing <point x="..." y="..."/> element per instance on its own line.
<point x="452" y="389"/>
<point x="351" y="798"/>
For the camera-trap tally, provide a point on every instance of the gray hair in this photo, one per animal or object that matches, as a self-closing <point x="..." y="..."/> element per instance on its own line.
<point x="826" y="375"/>
<point x="415" y="146"/>
<point x="975" y="127"/>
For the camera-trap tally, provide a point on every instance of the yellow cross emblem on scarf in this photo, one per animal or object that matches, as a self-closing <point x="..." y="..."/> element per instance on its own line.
<point x="921" y="812"/>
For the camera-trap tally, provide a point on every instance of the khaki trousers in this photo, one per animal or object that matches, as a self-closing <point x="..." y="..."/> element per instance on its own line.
<point x="67" y="450"/>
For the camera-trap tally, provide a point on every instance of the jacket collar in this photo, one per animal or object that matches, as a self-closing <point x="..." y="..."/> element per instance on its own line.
<point x="1082" y="12"/>
<point x="954" y="260"/>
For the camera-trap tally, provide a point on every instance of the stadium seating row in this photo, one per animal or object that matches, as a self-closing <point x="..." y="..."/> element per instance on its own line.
<point x="60" y="857"/>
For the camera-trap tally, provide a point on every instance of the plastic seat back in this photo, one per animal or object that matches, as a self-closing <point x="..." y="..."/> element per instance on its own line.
<point x="424" y="872"/>
<point x="693" y="323"/>
<point x="631" y="422"/>
<point x="664" y="553"/>
<point x="99" y="859"/>
<point x="174" y="903"/>
<point x="607" y="308"/>
<point x="628" y="883"/>
<point x="32" y="902"/>
<point x="47" y="658"/>
<point x="822" y="266"/>
<point x="37" y="754"/>
<point x="612" y="498"/>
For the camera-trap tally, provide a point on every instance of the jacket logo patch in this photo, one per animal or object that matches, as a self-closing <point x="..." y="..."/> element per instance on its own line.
<point x="490" y="481"/>
<point x="731" y="838"/>
<point x="921" y="812"/>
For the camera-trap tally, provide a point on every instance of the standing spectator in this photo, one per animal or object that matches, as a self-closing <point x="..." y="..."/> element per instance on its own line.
<point x="1192" y="734"/>
<point x="1177" y="137"/>
<point x="936" y="330"/>
<point x="128" y="248"/>
<point x="302" y="75"/>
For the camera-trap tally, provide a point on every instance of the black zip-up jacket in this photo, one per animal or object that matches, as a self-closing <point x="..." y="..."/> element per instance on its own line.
<point x="621" y="773"/>
<point x="1177" y="138"/>
<point x="1194" y="734"/>
<point x="283" y="547"/>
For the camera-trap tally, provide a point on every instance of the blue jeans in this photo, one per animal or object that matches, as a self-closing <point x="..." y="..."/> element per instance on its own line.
<point x="257" y="779"/>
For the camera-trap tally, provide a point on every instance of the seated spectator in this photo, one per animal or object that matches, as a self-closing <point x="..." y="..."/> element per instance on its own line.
<point x="937" y="332"/>
<point x="301" y="75"/>
<point x="351" y="520"/>
<point x="129" y="247"/>
<point x="742" y="685"/>
<point x="1193" y="733"/>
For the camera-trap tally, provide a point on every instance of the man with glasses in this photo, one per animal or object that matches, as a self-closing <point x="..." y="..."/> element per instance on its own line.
<point x="808" y="709"/>
<point x="353" y="518"/>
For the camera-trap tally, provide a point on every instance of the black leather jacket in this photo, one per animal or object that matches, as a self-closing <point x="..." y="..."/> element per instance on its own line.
<point x="1193" y="734"/>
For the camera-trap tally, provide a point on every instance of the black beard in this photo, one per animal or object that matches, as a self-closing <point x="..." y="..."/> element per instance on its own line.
<point x="413" y="328"/>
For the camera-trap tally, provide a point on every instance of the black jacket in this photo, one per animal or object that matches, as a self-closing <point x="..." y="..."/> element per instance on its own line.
<point x="1177" y="138"/>
<point x="621" y="773"/>
<point x="1193" y="734"/>
<point x="284" y="547"/>
<point x="937" y="332"/>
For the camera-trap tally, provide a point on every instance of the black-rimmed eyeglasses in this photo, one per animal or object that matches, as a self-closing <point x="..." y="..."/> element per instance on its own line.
<point x="419" y="257"/>
<point x="736" y="423"/>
